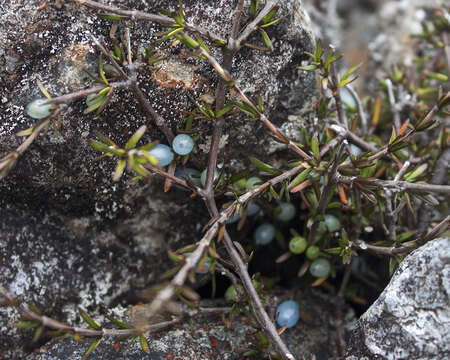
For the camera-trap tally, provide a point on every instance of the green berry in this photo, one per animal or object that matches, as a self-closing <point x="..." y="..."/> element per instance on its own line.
<point x="37" y="110"/>
<point x="231" y="293"/>
<point x="241" y="183"/>
<point x="253" y="182"/>
<point x="297" y="245"/>
<point x="312" y="252"/>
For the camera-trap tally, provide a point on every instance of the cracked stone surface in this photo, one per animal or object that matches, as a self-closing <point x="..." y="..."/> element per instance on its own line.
<point x="411" y="318"/>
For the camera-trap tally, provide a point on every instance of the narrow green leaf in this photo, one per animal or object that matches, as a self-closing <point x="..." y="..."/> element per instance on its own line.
<point x="300" y="178"/>
<point x="100" y="70"/>
<point x="264" y="167"/>
<point x="254" y="5"/>
<point x="100" y="146"/>
<point x="247" y="109"/>
<point x="307" y="67"/>
<point x="414" y="174"/>
<point x="404" y="236"/>
<point x="26" y="324"/>
<point x="350" y="71"/>
<point x="131" y="144"/>
<point x="144" y="344"/>
<point x="91" y="322"/>
<point x="224" y="110"/>
<point x="266" y="39"/>
<point x="121" y="163"/>
<point x="270" y="15"/>
<point x="119" y="323"/>
<point x="111" y="17"/>
<point x="38" y="333"/>
<point x="318" y="54"/>
<point x="91" y="348"/>
<point x="315" y="147"/>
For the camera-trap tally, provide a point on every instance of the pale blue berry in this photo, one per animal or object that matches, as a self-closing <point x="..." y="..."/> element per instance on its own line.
<point x="320" y="268"/>
<point x="204" y="267"/>
<point x="163" y="154"/>
<point x="36" y="110"/>
<point x="332" y="223"/>
<point x="288" y="313"/>
<point x="193" y="174"/>
<point x="285" y="211"/>
<point x="236" y="217"/>
<point x="264" y="234"/>
<point x="203" y="176"/>
<point x="252" y="182"/>
<point x="182" y="144"/>
<point x="252" y="208"/>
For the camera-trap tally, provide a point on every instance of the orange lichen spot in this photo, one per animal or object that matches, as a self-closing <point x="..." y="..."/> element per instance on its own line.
<point x="174" y="73"/>
<point x="213" y="341"/>
<point x="116" y="346"/>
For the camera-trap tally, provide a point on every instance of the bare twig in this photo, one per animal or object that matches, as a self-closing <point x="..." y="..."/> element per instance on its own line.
<point x="141" y="15"/>
<point x="394" y="107"/>
<point x="361" y="112"/>
<point x="440" y="172"/>
<point x="396" y="185"/>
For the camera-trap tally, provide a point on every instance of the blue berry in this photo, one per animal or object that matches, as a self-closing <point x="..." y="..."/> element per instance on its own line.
<point x="236" y="217"/>
<point x="332" y="223"/>
<point x="288" y="313"/>
<point x="252" y="208"/>
<point x="204" y="267"/>
<point x="252" y="182"/>
<point x="163" y="154"/>
<point x="285" y="211"/>
<point x="36" y="110"/>
<point x="203" y="176"/>
<point x="320" y="268"/>
<point x="264" y="234"/>
<point x="193" y="174"/>
<point x="182" y="144"/>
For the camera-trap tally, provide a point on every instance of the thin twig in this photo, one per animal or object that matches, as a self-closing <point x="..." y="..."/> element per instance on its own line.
<point x="141" y="15"/>
<point x="361" y="112"/>
<point x="440" y="172"/>
<point x="394" y="106"/>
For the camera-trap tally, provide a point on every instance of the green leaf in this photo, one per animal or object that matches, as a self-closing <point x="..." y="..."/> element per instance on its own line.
<point x="247" y="109"/>
<point x="224" y="110"/>
<point x="119" y="323"/>
<point x="254" y="5"/>
<point x="144" y="344"/>
<point x="437" y="76"/>
<point x="91" y="322"/>
<point x="266" y="39"/>
<point x="189" y="42"/>
<point x="100" y="146"/>
<point x="121" y="163"/>
<point x="300" y="178"/>
<point x="131" y="144"/>
<point x="319" y="51"/>
<point x="38" y="333"/>
<point x="350" y="71"/>
<point x="100" y="70"/>
<point x="264" y="167"/>
<point x="270" y="15"/>
<point x="315" y="147"/>
<point x="307" y="68"/>
<point x="413" y="175"/>
<point x="393" y="263"/>
<point x="404" y="236"/>
<point x="95" y="104"/>
<point x="111" y="17"/>
<point x="345" y="82"/>
<point x="397" y="75"/>
<point x="91" y="348"/>
<point x="26" y="324"/>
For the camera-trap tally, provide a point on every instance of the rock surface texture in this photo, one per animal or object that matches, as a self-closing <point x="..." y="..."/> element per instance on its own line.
<point x="71" y="236"/>
<point x="209" y="338"/>
<point x="411" y="318"/>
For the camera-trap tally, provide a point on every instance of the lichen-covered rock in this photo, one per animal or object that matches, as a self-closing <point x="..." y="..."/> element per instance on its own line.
<point x="60" y="211"/>
<point x="209" y="338"/>
<point x="411" y="318"/>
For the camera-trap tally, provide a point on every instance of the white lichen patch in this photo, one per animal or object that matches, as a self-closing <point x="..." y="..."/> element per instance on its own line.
<point x="207" y="144"/>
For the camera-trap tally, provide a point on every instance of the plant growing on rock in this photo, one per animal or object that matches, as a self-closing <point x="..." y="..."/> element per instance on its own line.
<point x="342" y="193"/>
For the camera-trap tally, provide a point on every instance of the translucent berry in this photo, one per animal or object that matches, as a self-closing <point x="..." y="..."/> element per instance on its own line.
<point x="252" y="182"/>
<point x="264" y="234"/>
<point x="332" y="223"/>
<point x="312" y="252"/>
<point x="236" y="217"/>
<point x="182" y="144"/>
<point x="163" y="154"/>
<point x="285" y="211"/>
<point x="288" y="313"/>
<point x="204" y="267"/>
<point x="252" y="208"/>
<point x="297" y="245"/>
<point x="36" y="110"/>
<point x="231" y="293"/>
<point x="203" y="176"/>
<point x="193" y="174"/>
<point x="320" y="268"/>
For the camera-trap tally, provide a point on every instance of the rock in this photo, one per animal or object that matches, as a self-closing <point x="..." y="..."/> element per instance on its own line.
<point x="411" y="318"/>
<point x="59" y="208"/>
<point x="209" y="338"/>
